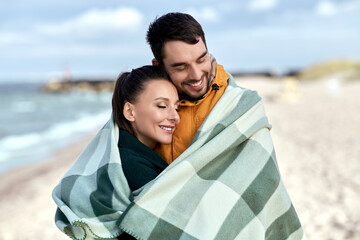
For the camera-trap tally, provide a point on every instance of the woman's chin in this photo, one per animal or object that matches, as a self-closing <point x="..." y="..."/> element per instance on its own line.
<point x="166" y="142"/>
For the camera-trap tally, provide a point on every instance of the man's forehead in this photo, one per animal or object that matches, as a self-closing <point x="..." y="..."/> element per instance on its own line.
<point x="180" y="51"/>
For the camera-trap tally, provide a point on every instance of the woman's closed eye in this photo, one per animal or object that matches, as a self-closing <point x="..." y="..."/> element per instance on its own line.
<point x="164" y="106"/>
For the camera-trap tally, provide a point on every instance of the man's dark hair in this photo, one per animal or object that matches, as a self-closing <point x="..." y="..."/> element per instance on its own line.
<point x="173" y="26"/>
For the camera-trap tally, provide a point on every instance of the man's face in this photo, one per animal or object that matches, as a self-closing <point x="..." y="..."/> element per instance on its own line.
<point x="188" y="66"/>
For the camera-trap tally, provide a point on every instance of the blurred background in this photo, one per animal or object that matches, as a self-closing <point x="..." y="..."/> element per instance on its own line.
<point x="59" y="60"/>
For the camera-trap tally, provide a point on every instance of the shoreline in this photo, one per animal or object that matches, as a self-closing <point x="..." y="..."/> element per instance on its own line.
<point x="32" y="160"/>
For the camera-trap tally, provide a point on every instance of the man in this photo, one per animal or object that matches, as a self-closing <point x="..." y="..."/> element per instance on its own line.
<point x="178" y="43"/>
<point x="222" y="181"/>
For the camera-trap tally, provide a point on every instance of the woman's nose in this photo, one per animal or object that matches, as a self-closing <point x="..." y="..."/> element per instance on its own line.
<point x="174" y="116"/>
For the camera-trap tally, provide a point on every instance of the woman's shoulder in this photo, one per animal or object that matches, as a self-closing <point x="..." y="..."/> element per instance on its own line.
<point x="134" y="152"/>
<point x="139" y="163"/>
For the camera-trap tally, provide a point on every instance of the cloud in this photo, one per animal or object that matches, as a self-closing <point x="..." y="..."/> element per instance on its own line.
<point x="325" y="8"/>
<point x="95" y="21"/>
<point x="87" y="50"/>
<point x="206" y="14"/>
<point x="262" y="5"/>
<point x="10" y="38"/>
<point x="328" y="8"/>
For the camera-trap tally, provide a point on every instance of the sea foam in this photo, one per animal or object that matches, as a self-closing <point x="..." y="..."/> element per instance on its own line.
<point x="23" y="149"/>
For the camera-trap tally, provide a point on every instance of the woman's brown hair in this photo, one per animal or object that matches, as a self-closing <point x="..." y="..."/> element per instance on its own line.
<point x="128" y="87"/>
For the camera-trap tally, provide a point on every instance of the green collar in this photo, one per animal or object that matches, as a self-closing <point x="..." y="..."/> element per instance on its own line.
<point x="127" y="140"/>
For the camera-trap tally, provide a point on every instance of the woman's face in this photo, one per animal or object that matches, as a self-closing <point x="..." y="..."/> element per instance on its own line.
<point x="155" y="113"/>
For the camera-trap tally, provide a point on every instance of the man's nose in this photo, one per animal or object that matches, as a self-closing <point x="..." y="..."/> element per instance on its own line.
<point x="195" y="73"/>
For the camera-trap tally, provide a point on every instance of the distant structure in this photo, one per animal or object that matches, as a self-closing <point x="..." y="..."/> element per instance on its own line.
<point x="67" y="74"/>
<point x="291" y="91"/>
<point x="270" y="74"/>
<point x="292" y="73"/>
<point x="97" y="85"/>
<point x="68" y="83"/>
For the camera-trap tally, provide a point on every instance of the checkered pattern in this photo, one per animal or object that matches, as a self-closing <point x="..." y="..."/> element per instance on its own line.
<point x="94" y="192"/>
<point x="226" y="185"/>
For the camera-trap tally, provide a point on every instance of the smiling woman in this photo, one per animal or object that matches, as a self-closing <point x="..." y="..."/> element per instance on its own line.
<point x="113" y="169"/>
<point x="145" y="105"/>
<point x="153" y="116"/>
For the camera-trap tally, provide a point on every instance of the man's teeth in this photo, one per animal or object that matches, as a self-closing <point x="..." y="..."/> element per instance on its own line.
<point x="196" y="84"/>
<point x="166" y="128"/>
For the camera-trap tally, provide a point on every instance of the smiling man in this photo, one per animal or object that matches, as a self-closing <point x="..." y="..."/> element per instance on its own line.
<point x="189" y="67"/>
<point x="178" y="43"/>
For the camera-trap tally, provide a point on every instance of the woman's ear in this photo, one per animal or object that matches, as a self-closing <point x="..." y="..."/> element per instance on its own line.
<point x="128" y="112"/>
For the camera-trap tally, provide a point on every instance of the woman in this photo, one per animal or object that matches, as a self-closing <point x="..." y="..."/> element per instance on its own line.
<point x="145" y="105"/>
<point x="101" y="184"/>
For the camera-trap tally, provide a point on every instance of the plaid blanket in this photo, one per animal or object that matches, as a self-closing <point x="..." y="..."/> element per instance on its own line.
<point x="226" y="185"/>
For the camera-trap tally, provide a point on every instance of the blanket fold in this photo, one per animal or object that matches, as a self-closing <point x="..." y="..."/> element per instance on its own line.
<point x="94" y="192"/>
<point x="226" y="185"/>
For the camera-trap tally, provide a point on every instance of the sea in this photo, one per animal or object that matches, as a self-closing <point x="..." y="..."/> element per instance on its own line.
<point x="35" y="124"/>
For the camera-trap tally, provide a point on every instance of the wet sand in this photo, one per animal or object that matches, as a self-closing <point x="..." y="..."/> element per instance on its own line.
<point x="316" y="129"/>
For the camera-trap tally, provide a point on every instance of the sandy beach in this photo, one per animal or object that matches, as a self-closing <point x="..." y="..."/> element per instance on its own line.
<point x="315" y="131"/>
<point x="26" y="204"/>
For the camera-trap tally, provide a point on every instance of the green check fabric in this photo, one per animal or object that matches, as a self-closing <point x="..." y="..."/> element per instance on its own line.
<point x="94" y="192"/>
<point x="226" y="185"/>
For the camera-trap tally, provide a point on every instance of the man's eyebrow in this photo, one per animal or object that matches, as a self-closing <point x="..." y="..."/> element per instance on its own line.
<point x="203" y="55"/>
<point x="183" y="63"/>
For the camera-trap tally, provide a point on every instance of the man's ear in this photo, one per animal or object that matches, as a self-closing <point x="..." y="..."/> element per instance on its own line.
<point x="155" y="62"/>
<point x="128" y="112"/>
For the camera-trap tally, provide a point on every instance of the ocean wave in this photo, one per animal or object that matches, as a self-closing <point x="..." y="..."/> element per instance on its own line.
<point x="24" y="147"/>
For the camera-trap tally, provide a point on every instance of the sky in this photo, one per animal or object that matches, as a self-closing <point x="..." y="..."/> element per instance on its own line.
<point x="42" y="39"/>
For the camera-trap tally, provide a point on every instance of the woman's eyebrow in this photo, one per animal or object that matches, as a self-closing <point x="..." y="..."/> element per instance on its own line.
<point x="165" y="99"/>
<point x="161" y="98"/>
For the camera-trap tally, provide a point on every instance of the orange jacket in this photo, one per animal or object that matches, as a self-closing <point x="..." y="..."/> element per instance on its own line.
<point x="192" y="115"/>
